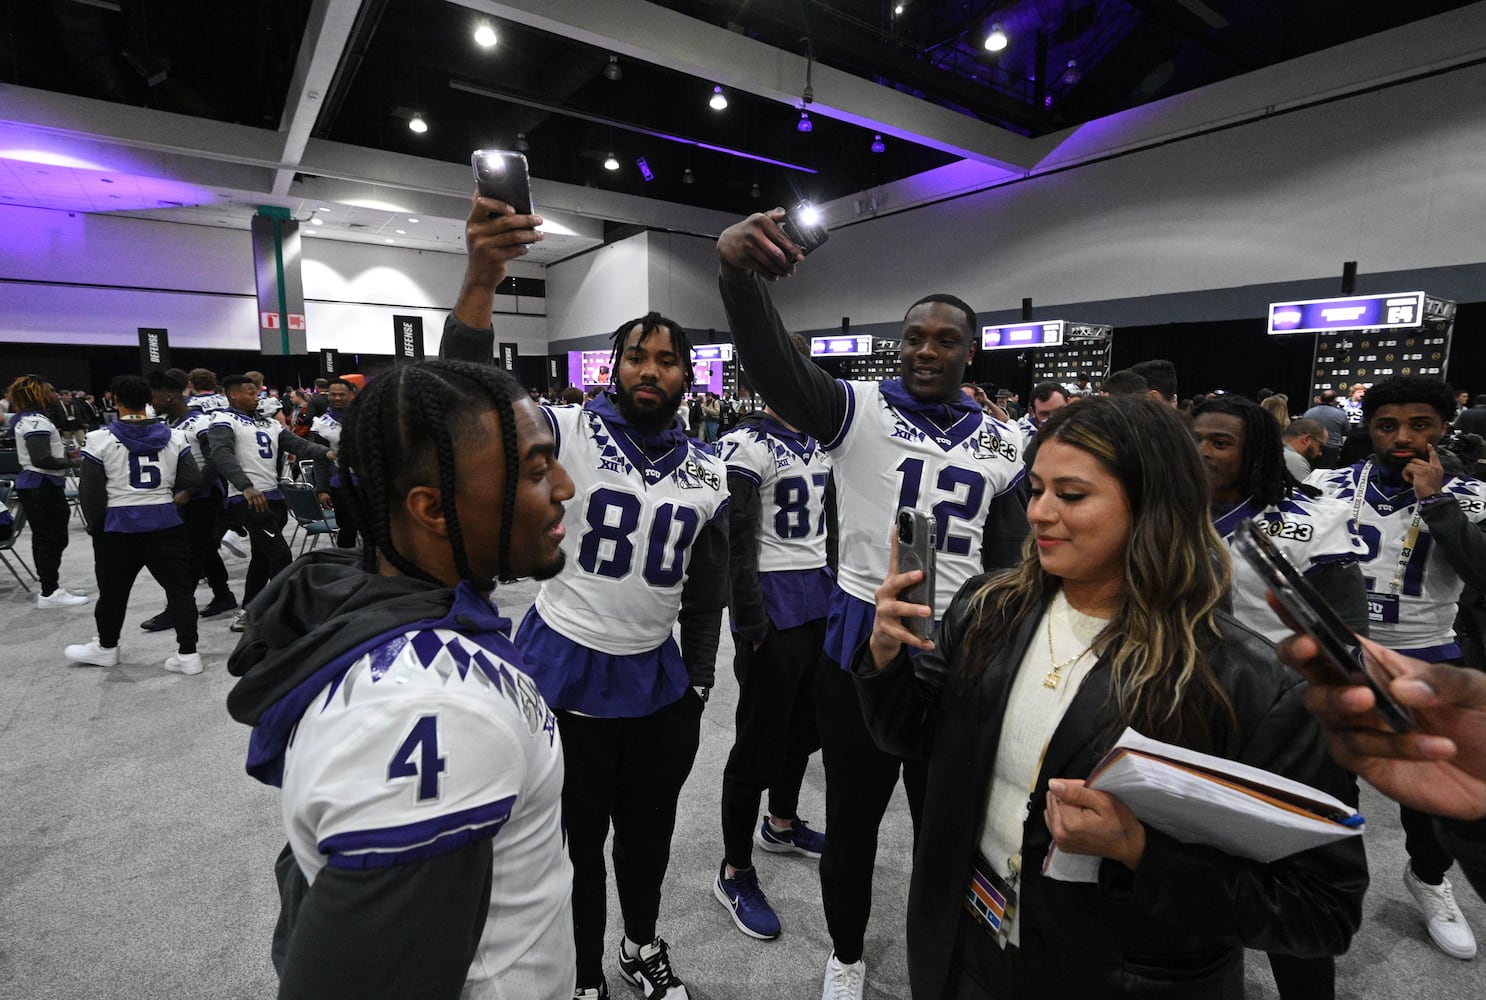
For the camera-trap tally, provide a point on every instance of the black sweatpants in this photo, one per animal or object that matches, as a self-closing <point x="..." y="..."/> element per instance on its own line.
<point x="628" y="772"/>
<point x="1427" y="856"/>
<point x="204" y="529"/>
<point x="269" y="551"/>
<point x="345" y="517"/>
<point x="47" y="516"/>
<point x="860" y="780"/>
<point x="776" y="732"/>
<point x="118" y="556"/>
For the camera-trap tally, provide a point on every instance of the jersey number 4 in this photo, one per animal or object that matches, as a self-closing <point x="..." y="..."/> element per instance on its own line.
<point x="614" y="517"/>
<point x="418" y="757"/>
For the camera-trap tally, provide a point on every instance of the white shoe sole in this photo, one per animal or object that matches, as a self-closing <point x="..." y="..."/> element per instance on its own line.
<point x="774" y="848"/>
<point x="177" y="668"/>
<point x="727" y="904"/>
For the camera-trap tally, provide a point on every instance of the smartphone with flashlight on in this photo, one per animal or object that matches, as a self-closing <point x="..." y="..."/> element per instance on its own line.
<point x="916" y="552"/>
<point x="1340" y="650"/>
<point x="803" y="227"/>
<point x="502" y="174"/>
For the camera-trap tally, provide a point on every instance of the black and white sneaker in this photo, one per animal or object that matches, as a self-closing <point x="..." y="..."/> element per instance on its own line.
<point x="651" y="972"/>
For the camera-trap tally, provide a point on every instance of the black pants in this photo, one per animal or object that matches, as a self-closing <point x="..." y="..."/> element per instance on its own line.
<point x="204" y="531"/>
<point x="47" y="515"/>
<point x="981" y="969"/>
<point x="269" y="551"/>
<point x="118" y="556"/>
<point x="345" y="517"/>
<point x="1427" y="856"/>
<point x="628" y="772"/>
<point x="776" y="732"/>
<point x="860" y="780"/>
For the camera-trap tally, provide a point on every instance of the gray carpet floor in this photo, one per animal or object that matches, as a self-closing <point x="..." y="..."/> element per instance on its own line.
<point x="137" y="855"/>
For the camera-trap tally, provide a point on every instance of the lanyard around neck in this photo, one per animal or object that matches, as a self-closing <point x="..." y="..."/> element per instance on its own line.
<point x="1410" y="537"/>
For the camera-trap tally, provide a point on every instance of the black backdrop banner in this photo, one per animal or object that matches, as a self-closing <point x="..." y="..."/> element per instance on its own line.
<point x="407" y="339"/>
<point x="154" y="349"/>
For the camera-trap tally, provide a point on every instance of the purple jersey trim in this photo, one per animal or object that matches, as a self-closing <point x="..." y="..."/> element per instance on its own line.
<point x="396" y="845"/>
<point x="29" y="479"/>
<point x="796" y="597"/>
<point x="136" y="520"/>
<point x="574" y="678"/>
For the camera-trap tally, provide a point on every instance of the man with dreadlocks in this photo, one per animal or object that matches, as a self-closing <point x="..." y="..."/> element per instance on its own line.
<point x="421" y="769"/>
<point x="1242" y="449"/>
<point x="44" y="466"/>
<point x="651" y="505"/>
<point x="913" y="441"/>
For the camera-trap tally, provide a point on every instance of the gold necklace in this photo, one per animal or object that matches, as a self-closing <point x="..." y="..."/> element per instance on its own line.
<point x="1052" y="679"/>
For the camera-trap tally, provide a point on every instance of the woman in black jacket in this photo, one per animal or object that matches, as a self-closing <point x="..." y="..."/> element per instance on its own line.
<point x="1110" y="621"/>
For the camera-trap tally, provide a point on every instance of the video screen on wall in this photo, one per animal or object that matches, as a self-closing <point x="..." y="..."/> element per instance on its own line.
<point x="592" y="368"/>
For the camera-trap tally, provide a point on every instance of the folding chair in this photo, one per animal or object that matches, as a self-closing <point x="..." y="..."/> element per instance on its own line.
<point x="7" y="495"/>
<point x="308" y="515"/>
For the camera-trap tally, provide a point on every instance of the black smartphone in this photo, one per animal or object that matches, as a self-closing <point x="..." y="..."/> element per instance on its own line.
<point x="916" y="551"/>
<point x="803" y="227"/>
<point x="1339" y="647"/>
<point x="501" y="174"/>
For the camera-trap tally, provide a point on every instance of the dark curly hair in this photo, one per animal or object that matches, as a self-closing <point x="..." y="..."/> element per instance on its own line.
<point x="1263" y="475"/>
<point x="1400" y="390"/>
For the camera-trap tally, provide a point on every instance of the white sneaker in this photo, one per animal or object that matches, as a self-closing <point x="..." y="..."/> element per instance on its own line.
<point x="92" y="654"/>
<point x="60" y="598"/>
<point x="230" y="543"/>
<point x="184" y="663"/>
<point x="844" y="982"/>
<point x="1446" y="924"/>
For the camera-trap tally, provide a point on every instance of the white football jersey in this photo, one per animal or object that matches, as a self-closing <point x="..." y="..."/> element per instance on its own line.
<point x="1309" y="531"/>
<point x="28" y="425"/>
<point x="886" y="459"/>
<point x="1421" y="615"/>
<point x="791" y="472"/>
<point x="194" y="425"/>
<point x="328" y="426"/>
<point x="140" y="483"/>
<point x="630" y="528"/>
<point x="256" y="441"/>
<point x="269" y="406"/>
<point x="427" y="743"/>
<point x="207" y="402"/>
<point x="1028" y="429"/>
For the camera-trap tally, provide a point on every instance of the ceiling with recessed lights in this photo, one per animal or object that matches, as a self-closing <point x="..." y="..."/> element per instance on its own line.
<point x="676" y="114"/>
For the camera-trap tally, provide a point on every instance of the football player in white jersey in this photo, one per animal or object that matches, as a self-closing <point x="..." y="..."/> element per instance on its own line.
<point x="137" y="474"/>
<point x="1242" y="451"/>
<point x="913" y="441"/>
<point x="780" y="525"/>
<point x="1047" y="398"/>
<point x="248" y="450"/>
<point x="203" y="514"/>
<point x="41" y="484"/>
<point x="202" y="393"/>
<point x="647" y="548"/>
<point x="421" y="770"/>
<point x="326" y="429"/>
<point x="1424" y="539"/>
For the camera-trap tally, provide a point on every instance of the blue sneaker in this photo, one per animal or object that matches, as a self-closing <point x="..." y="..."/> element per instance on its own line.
<point x="746" y="902"/>
<point x="799" y="840"/>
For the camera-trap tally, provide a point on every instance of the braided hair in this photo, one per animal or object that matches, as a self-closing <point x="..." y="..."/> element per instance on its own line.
<point x="1264" y="475"/>
<point x="28" y="394"/>
<point x="680" y="342"/>
<point x="402" y="433"/>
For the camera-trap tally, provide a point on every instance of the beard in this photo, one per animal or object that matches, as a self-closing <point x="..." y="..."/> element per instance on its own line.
<point x="645" y="415"/>
<point x="551" y="568"/>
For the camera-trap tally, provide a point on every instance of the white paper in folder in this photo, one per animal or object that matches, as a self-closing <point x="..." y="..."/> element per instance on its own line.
<point x="1201" y="799"/>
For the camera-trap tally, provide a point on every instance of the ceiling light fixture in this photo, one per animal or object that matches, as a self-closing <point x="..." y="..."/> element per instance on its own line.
<point x="401" y="232"/>
<point x="804" y="124"/>
<point x="323" y="208"/>
<point x="389" y="240"/>
<point x="612" y="71"/>
<point x="317" y="222"/>
<point x="522" y="145"/>
<point x="687" y="177"/>
<point x="878" y="146"/>
<point x="417" y="124"/>
<point x="719" y="101"/>
<point x="996" y="40"/>
<point x="485" y="36"/>
<point x="898" y="11"/>
<point x="754" y="191"/>
<point x="611" y="163"/>
<point x="413" y="220"/>
<point x="1072" y="76"/>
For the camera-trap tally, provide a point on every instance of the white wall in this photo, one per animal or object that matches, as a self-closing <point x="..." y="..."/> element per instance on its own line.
<point x="94" y="279"/>
<point x="1395" y="180"/>
<point x="683" y="282"/>
<point x="592" y="294"/>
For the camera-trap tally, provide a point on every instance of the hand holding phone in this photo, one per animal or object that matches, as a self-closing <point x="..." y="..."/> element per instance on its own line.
<point x="916" y="531"/>
<point x="803" y="227"/>
<point x="1340" y="650"/>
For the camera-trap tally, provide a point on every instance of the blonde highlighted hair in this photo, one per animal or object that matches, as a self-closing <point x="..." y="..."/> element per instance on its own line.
<point x="1158" y="646"/>
<point x="28" y="394"/>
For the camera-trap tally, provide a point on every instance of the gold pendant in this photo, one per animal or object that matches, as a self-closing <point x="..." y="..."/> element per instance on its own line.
<point x="1051" y="680"/>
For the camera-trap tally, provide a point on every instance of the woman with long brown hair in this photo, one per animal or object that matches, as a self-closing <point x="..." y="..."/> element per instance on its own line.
<point x="1112" y="619"/>
<point x="41" y="484"/>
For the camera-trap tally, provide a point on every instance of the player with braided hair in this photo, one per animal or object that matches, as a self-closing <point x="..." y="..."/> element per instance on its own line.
<point x="326" y="429"/>
<point x="421" y="770"/>
<point x="647" y="546"/>
<point x="41" y="484"/>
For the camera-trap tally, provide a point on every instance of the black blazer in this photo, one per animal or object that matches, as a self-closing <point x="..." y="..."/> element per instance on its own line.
<point x="1176" y="927"/>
